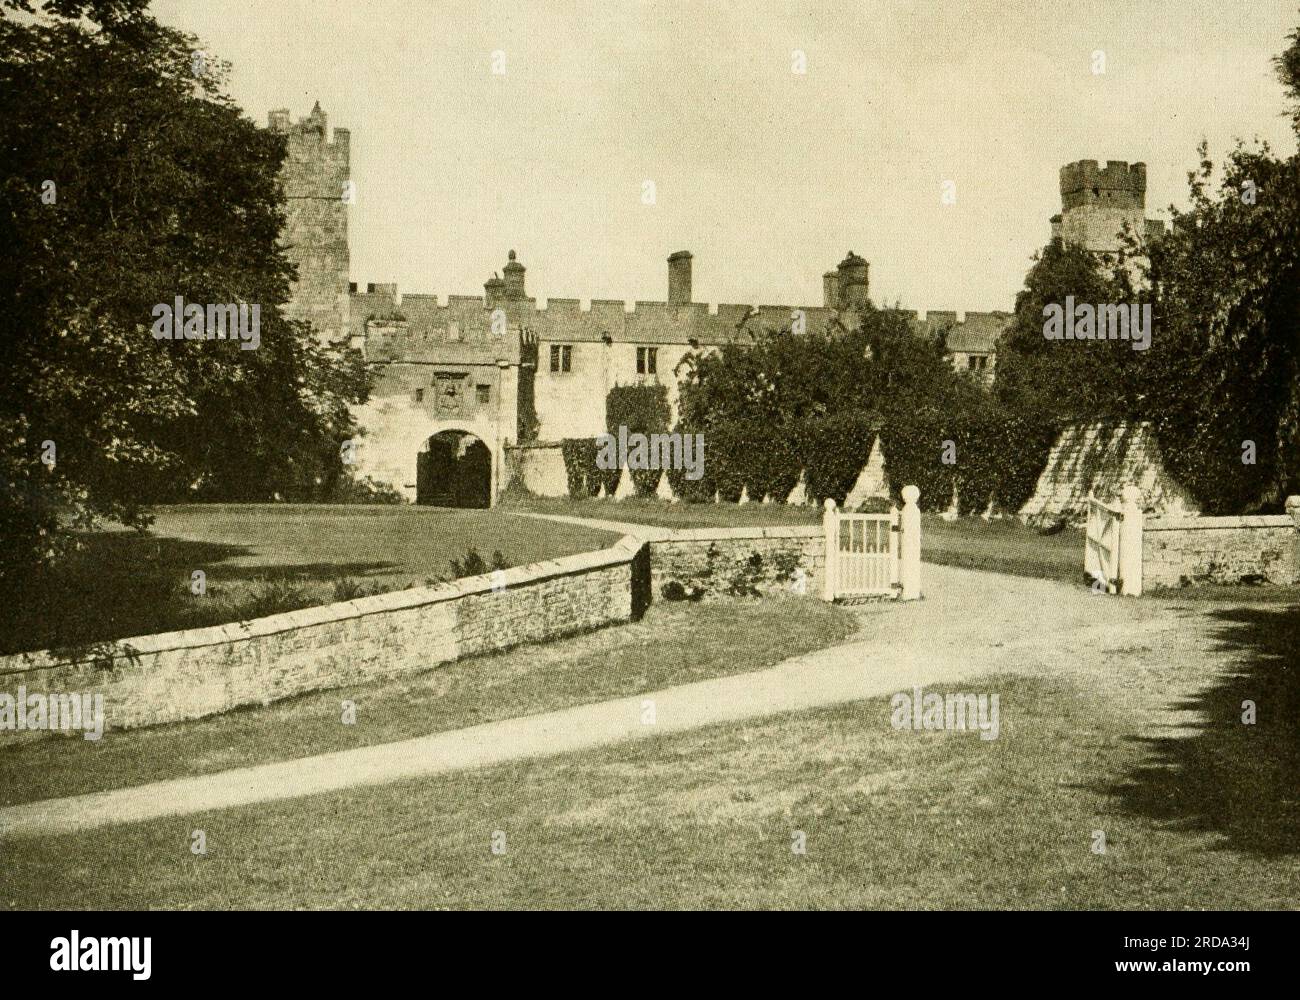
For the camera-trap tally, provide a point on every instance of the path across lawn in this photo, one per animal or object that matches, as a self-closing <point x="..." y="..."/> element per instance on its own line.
<point x="970" y="624"/>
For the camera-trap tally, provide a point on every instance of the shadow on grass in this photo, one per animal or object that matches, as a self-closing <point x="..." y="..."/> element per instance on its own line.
<point x="125" y="584"/>
<point x="1236" y="780"/>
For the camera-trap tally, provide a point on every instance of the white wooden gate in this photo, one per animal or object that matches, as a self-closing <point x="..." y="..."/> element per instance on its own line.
<point x="1112" y="547"/>
<point x="866" y="556"/>
<point x="1101" y="544"/>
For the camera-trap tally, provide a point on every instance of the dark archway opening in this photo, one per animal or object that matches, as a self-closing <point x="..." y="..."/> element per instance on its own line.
<point x="454" y="470"/>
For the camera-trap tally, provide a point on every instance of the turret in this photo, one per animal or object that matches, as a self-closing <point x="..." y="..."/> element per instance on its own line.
<point x="831" y="289"/>
<point x="1098" y="202"/>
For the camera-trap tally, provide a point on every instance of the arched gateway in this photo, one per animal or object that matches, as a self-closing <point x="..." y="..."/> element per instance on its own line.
<point x="454" y="469"/>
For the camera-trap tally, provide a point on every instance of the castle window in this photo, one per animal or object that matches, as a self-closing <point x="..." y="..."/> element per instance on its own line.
<point x="419" y="395"/>
<point x="484" y="393"/>
<point x="561" y="357"/>
<point x="976" y="362"/>
<point x="647" y="360"/>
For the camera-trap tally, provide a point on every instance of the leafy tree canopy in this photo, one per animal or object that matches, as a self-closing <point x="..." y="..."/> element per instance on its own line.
<point x="130" y="178"/>
<point x="1223" y="382"/>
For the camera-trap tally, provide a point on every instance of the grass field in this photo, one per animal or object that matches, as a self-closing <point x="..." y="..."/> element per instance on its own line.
<point x="1005" y="546"/>
<point x="672" y="644"/>
<point x="260" y="559"/>
<point x="893" y="819"/>
<point x="666" y="515"/>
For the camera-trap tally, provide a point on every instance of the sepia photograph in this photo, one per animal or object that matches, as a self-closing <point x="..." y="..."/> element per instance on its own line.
<point x="650" y="455"/>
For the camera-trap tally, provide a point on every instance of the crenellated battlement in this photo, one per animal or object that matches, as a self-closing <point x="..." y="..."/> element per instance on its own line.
<point x="463" y="319"/>
<point x="1118" y="184"/>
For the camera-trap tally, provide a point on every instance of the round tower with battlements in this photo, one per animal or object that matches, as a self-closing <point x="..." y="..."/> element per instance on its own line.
<point x="1098" y="202"/>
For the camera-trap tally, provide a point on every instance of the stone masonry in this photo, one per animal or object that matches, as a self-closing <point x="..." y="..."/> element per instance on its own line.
<point x="188" y="675"/>
<point x="176" y="676"/>
<point x="713" y="558"/>
<point x="1177" y="552"/>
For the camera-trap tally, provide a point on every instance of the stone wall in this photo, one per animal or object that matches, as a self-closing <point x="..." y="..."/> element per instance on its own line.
<point x="713" y="558"/>
<point x="538" y="468"/>
<point x="175" y="676"/>
<point x="1181" y="551"/>
<point x="1101" y="458"/>
<point x="187" y="675"/>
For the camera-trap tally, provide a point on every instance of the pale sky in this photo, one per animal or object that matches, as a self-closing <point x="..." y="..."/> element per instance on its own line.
<point x="767" y="176"/>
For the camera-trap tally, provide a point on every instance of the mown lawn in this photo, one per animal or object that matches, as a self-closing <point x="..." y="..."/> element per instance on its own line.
<point x="665" y="515"/>
<point x="893" y="819"/>
<point x="671" y="644"/>
<point x="260" y="559"/>
<point x="1005" y="546"/>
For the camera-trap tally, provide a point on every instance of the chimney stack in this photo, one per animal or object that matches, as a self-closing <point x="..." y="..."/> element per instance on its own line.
<point x="679" y="277"/>
<point x="852" y="281"/>
<point x="514" y="278"/>
<point x="831" y="289"/>
<point x="494" y="291"/>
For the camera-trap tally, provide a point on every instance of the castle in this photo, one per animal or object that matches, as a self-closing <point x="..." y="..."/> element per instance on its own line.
<point x="461" y="383"/>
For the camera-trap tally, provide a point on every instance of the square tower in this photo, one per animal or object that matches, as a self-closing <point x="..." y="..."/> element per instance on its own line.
<point x="316" y="185"/>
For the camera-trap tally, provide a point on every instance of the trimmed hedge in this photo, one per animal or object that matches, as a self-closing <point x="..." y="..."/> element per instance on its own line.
<point x="580" y="467"/>
<point x="833" y="451"/>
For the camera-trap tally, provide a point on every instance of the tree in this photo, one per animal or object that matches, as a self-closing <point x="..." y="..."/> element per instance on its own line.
<point x="1224" y="384"/>
<point x="130" y="178"/>
<point x="1057" y="382"/>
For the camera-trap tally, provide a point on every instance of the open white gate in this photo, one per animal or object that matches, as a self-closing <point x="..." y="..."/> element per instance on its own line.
<point x="1112" y="547"/>
<point x="1101" y="544"/>
<point x="866" y="554"/>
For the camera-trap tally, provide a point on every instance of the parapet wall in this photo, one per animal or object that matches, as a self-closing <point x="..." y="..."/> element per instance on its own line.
<point x="426" y="323"/>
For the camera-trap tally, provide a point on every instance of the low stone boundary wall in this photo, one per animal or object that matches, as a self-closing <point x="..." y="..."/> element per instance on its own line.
<point x="187" y="675"/>
<point x="1188" y="550"/>
<point x="175" y="676"/>
<point x="720" y="561"/>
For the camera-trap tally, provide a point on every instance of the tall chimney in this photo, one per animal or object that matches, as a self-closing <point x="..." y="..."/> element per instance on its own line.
<point x="514" y="278"/>
<point x="831" y="289"/>
<point x="679" y="277"/>
<point x="494" y="291"/>
<point x="853" y="281"/>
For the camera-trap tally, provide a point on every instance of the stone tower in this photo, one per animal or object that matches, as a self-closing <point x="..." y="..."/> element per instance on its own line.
<point x="316" y="176"/>
<point x="1097" y="202"/>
